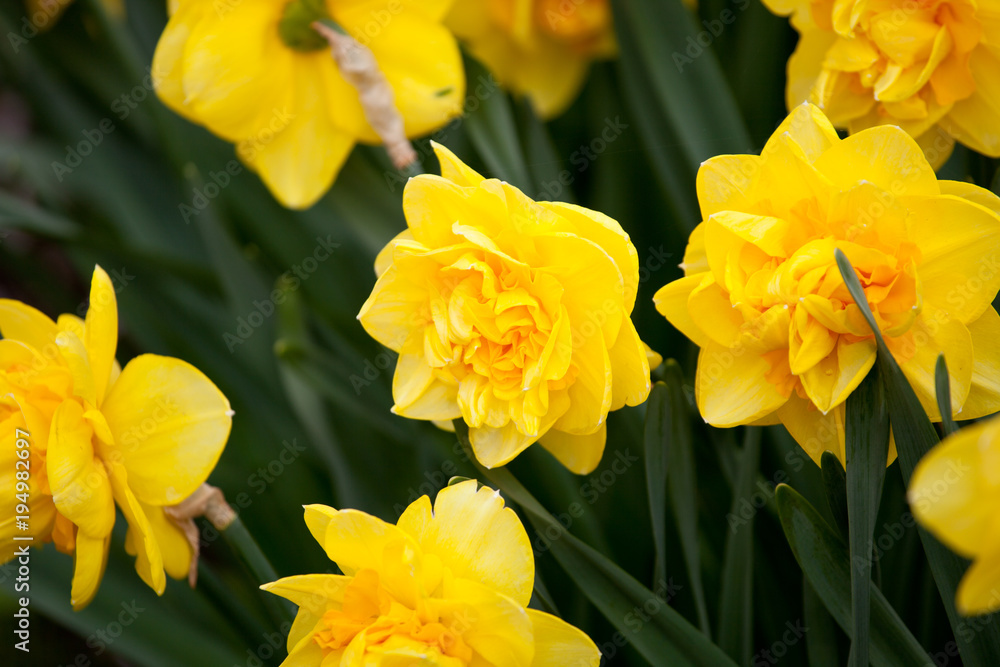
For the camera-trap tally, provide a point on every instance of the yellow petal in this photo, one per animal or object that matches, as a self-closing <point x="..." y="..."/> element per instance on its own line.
<point x="80" y="487"/>
<point x="315" y="593"/>
<point x="454" y="169"/>
<point x="831" y="381"/>
<point x="476" y="537"/>
<point x="149" y="558"/>
<point x="984" y="394"/>
<point x="959" y="269"/>
<point x="808" y="128"/>
<point x="730" y="387"/>
<point x="725" y="183"/>
<point x="497" y="446"/>
<point x="74" y="352"/>
<point x="23" y="323"/>
<point x="174" y="548"/>
<point x="815" y="432"/>
<point x="590" y="393"/>
<point x="954" y="487"/>
<point x="493" y="625"/>
<point x="932" y="334"/>
<point x="886" y="156"/>
<point x="91" y="557"/>
<point x="353" y="540"/>
<point x="580" y="453"/>
<point x="672" y="302"/>
<point x="806" y="64"/>
<point x="975" y="121"/>
<point x="389" y="313"/>
<point x="101" y="336"/>
<point x="170" y="424"/>
<point x="557" y="643"/>
<point x="630" y="383"/>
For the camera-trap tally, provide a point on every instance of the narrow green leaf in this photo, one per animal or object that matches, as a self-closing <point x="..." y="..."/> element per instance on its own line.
<point x="867" y="445"/>
<point x="821" y="640"/>
<point x="736" y="600"/>
<point x="666" y="638"/>
<point x="17" y="214"/>
<point x="493" y="132"/>
<point x="656" y="436"/>
<point x="943" y="389"/>
<point x="915" y="436"/>
<point x="824" y="560"/>
<point x="548" y="178"/>
<point x="835" y="482"/>
<point x="681" y="484"/>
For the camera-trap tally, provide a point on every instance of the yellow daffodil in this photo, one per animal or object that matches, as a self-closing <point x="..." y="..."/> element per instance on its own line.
<point x="933" y="68"/>
<point x="444" y="587"/>
<point x="511" y="314"/>
<point x="537" y="48"/>
<point x="255" y="73"/>
<point x="142" y="438"/>
<point x="954" y="493"/>
<point x="781" y="339"/>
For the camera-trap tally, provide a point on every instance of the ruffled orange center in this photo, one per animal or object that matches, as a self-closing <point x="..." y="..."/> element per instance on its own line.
<point x="912" y="56"/>
<point x="388" y="626"/>
<point x="498" y="329"/>
<point x="577" y="22"/>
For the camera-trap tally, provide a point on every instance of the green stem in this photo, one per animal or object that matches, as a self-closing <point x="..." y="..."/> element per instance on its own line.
<point x="259" y="568"/>
<point x="221" y="596"/>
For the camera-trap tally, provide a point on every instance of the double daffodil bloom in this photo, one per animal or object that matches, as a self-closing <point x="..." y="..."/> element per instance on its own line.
<point x="142" y="438"/>
<point x="954" y="493"/>
<point x="781" y="339"/>
<point x="444" y="587"/>
<point x="931" y="67"/>
<point x="511" y="314"/>
<point x="538" y="48"/>
<point x="256" y="74"/>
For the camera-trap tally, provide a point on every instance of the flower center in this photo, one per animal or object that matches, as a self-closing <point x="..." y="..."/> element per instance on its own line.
<point x="387" y="626"/>
<point x="912" y="55"/>
<point x="296" y="22"/>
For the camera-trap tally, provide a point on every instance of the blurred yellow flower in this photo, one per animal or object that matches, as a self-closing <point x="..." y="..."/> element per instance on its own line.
<point x="781" y="339"/>
<point x="43" y="14"/>
<point x="954" y="493"/>
<point x="143" y="438"/>
<point x="933" y="68"/>
<point x="537" y="48"/>
<point x="446" y="587"/>
<point x="511" y="314"/>
<point x="228" y="65"/>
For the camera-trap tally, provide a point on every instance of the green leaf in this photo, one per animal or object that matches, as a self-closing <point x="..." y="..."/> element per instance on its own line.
<point x="15" y="213"/>
<point x="493" y="132"/>
<point x="835" y="482"/>
<point x="821" y="640"/>
<point x="665" y="638"/>
<point x="681" y="481"/>
<point x="824" y="559"/>
<point x="915" y="436"/>
<point x="867" y="447"/>
<point x="736" y="600"/>
<point x="656" y="436"/>
<point x="943" y="389"/>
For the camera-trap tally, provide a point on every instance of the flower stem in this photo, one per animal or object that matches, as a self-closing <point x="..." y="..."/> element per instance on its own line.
<point x="259" y="568"/>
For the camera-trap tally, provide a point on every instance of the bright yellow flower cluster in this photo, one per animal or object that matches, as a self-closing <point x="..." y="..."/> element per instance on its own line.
<point x="954" y="493"/>
<point x="290" y="111"/>
<point x="444" y="587"/>
<point x="142" y="438"/>
<point x="511" y="314"/>
<point x="538" y="48"/>
<point x="781" y="339"/>
<point x="931" y="67"/>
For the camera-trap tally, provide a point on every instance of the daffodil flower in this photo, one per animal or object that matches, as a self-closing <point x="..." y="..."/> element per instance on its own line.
<point x="511" y="314"/>
<point x="256" y="74"/>
<point x="446" y="586"/>
<point x="781" y="339"/>
<point x="538" y="48"/>
<point x="932" y="68"/>
<point x="139" y="438"/>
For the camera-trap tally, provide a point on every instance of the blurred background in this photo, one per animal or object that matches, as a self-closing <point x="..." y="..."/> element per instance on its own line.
<point x="94" y="169"/>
